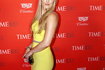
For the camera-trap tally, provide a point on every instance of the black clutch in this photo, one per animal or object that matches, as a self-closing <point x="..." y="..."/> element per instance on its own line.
<point x="31" y="60"/>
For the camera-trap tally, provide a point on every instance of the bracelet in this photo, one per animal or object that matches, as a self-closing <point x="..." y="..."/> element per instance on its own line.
<point x="27" y="47"/>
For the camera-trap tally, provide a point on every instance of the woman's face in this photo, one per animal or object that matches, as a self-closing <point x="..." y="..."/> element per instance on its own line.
<point x="47" y="3"/>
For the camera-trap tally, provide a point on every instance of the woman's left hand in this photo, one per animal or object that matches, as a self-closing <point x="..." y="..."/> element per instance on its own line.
<point x="28" y="54"/>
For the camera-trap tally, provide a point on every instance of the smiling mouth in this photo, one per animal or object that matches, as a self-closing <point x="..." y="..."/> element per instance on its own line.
<point x="46" y="4"/>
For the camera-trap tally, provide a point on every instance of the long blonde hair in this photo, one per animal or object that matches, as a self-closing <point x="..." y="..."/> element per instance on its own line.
<point x="42" y="19"/>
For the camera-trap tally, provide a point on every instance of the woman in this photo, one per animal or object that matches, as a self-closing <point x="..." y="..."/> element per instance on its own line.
<point x="43" y="27"/>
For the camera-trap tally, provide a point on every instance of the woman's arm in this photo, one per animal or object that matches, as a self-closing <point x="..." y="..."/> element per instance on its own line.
<point x="52" y="22"/>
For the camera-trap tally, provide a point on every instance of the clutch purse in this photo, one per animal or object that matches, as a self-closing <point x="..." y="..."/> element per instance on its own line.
<point x="31" y="60"/>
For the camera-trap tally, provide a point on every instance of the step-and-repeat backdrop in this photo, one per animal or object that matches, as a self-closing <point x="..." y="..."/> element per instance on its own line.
<point x="79" y="43"/>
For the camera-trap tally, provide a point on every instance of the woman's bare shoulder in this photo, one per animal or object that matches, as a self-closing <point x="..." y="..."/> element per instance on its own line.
<point x="53" y="15"/>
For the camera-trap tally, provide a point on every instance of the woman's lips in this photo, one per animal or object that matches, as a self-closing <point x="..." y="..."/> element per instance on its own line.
<point x="46" y="4"/>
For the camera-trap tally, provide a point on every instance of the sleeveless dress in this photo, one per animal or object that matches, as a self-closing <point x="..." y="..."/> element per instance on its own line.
<point x="43" y="60"/>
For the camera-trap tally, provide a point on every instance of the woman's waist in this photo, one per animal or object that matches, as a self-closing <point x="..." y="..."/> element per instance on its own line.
<point x="36" y="41"/>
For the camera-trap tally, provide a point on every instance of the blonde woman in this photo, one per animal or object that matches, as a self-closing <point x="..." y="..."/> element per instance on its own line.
<point x="43" y="28"/>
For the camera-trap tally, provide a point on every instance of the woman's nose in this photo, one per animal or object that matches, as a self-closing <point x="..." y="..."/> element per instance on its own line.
<point x="47" y="0"/>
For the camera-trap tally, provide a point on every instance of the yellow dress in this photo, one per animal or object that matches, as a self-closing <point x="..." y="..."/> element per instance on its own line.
<point x="43" y="60"/>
